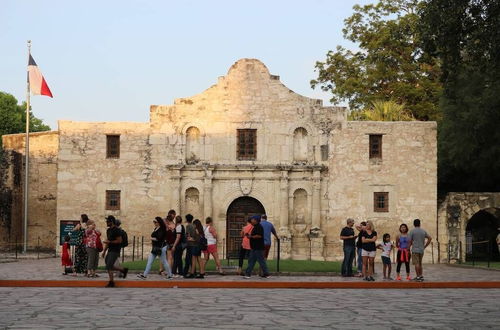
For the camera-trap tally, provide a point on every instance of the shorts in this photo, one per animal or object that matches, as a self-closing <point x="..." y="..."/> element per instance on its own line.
<point x="370" y="254"/>
<point x="417" y="258"/>
<point x="212" y="248"/>
<point x="266" y="251"/>
<point x="196" y="251"/>
<point x="110" y="259"/>
<point x="386" y="260"/>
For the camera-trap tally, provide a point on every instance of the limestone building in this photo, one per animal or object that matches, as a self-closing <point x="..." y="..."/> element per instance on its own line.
<point x="246" y="145"/>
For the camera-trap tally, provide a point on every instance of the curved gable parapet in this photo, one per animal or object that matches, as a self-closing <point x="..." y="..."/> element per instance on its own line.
<point x="247" y="93"/>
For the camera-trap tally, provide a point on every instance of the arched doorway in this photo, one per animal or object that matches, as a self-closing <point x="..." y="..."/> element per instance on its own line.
<point x="481" y="233"/>
<point x="238" y="213"/>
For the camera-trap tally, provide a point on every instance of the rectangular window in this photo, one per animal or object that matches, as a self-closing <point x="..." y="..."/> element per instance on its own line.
<point x="247" y="144"/>
<point x="380" y="202"/>
<point x="112" y="146"/>
<point x="375" y="146"/>
<point x="113" y="199"/>
<point x="324" y="152"/>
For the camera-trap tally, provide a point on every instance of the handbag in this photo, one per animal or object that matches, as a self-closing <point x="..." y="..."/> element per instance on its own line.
<point x="98" y="244"/>
<point x="156" y="250"/>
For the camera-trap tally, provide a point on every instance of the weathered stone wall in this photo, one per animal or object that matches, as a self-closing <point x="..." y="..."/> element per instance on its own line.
<point x="42" y="202"/>
<point x="407" y="171"/>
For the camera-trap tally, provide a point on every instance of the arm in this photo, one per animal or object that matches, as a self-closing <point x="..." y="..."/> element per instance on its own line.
<point x="273" y="231"/>
<point x="429" y="240"/>
<point x="397" y="241"/>
<point x="213" y="232"/>
<point x="347" y="237"/>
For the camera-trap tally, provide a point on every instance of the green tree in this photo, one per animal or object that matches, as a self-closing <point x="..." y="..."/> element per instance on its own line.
<point x="13" y="117"/>
<point x="389" y="65"/>
<point x="465" y="35"/>
<point x="382" y="111"/>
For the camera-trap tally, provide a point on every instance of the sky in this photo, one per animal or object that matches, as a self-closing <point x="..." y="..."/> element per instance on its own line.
<point x="110" y="60"/>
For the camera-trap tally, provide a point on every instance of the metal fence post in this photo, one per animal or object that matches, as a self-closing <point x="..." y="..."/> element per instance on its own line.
<point x="142" y="247"/>
<point x="278" y="258"/>
<point x="460" y="252"/>
<point x="489" y="252"/>
<point x="432" y="252"/>
<point x="133" y="249"/>
<point x="15" y="247"/>
<point x="38" y="248"/>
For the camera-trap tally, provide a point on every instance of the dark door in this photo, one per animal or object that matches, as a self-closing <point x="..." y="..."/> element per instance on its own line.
<point x="240" y="210"/>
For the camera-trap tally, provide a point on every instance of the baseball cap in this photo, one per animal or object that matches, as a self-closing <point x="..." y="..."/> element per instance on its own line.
<point x="111" y="219"/>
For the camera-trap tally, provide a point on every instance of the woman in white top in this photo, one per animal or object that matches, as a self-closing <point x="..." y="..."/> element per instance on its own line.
<point x="211" y="236"/>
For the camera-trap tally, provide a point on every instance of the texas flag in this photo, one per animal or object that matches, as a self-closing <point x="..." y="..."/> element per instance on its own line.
<point x="38" y="85"/>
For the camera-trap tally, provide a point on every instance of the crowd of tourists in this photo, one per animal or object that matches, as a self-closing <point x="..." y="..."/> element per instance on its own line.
<point x="409" y="245"/>
<point x="183" y="250"/>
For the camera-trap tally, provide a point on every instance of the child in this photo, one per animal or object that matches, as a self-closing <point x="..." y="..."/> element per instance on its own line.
<point x="65" y="256"/>
<point x="402" y="243"/>
<point x="386" y="247"/>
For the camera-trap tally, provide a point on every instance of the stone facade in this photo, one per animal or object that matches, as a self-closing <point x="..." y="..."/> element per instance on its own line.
<point x="311" y="170"/>
<point x="454" y="215"/>
<point x="42" y="190"/>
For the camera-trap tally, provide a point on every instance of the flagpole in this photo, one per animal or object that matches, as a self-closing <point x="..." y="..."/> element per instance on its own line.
<point x="27" y="161"/>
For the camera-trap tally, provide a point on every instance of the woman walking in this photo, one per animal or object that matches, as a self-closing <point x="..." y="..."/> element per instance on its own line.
<point x="368" y="238"/>
<point x="211" y="236"/>
<point x="91" y="244"/>
<point x="158" y="248"/>
<point x="80" y="248"/>
<point x="403" y="256"/>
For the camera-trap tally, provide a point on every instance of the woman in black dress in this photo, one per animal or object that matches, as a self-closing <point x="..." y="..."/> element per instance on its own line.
<point x="80" y="248"/>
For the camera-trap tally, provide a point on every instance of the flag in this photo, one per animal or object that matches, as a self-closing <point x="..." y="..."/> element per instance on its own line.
<point x="38" y="85"/>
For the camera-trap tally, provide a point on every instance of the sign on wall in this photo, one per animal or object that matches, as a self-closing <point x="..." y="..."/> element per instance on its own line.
<point x="65" y="228"/>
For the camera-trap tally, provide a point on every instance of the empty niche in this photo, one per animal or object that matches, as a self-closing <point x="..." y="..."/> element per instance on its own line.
<point x="193" y="145"/>
<point x="300" y="145"/>
<point x="192" y="202"/>
<point x="299" y="206"/>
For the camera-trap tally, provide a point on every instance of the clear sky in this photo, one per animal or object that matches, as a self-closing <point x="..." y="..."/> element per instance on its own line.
<point x="110" y="60"/>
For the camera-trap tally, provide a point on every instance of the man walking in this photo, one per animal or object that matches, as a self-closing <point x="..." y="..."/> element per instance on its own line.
<point x="268" y="230"/>
<point x="418" y="244"/>
<point x="256" y="248"/>
<point x="111" y="253"/>
<point x="347" y="235"/>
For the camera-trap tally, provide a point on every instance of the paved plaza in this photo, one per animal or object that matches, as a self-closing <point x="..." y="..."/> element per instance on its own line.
<point x="181" y="308"/>
<point x="86" y="308"/>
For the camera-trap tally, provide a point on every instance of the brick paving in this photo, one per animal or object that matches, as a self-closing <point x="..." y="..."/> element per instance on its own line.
<point x="90" y="308"/>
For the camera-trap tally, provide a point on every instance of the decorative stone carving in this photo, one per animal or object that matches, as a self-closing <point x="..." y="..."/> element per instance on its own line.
<point x="246" y="186"/>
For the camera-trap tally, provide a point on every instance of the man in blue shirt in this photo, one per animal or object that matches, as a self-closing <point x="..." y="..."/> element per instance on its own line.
<point x="268" y="230"/>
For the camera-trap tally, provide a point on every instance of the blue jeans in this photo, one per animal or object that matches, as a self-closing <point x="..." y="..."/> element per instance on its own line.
<point x="256" y="256"/>
<point x="163" y="259"/>
<point x="348" y="259"/>
<point x="360" y="260"/>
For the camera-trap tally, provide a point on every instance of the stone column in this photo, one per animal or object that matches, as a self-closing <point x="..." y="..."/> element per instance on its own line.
<point x="284" y="230"/>
<point x="316" y="200"/>
<point x="175" y="177"/>
<point x="316" y="235"/>
<point x="207" y="193"/>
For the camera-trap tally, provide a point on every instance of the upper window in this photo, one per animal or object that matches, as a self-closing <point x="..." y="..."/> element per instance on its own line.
<point x="375" y="146"/>
<point x="247" y="144"/>
<point x="112" y="146"/>
<point x="113" y="199"/>
<point x="380" y="202"/>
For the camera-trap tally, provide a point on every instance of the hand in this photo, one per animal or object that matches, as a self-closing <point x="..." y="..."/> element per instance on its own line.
<point x="105" y="242"/>
<point x="104" y="254"/>
<point x="173" y="249"/>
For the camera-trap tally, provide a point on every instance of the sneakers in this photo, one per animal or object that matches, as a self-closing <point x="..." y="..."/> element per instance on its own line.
<point x="189" y="276"/>
<point x="200" y="276"/>
<point x="418" y="279"/>
<point x="170" y="277"/>
<point x="371" y="278"/>
<point x="110" y="284"/>
<point x="247" y="277"/>
<point x="125" y="272"/>
<point x="141" y="276"/>
<point x="398" y="278"/>
<point x="265" y="276"/>
<point x="408" y="278"/>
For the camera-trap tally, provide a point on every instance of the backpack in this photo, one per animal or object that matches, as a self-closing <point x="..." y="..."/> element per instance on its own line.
<point x="124" y="238"/>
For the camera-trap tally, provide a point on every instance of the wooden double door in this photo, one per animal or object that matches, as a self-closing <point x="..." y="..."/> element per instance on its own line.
<point x="240" y="210"/>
